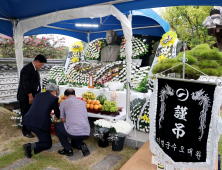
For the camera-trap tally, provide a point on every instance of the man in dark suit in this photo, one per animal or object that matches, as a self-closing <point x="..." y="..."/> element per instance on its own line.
<point x="29" y="86"/>
<point x="38" y="119"/>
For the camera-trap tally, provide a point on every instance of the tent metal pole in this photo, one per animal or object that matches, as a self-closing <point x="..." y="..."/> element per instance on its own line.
<point x="48" y="26"/>
<point x="88" y="36"/>
<point x="154" y="26"/>
<point x="186" y="80"/>
<point x="113" y="2"/>
<point x="6" y="19"/>
<point x="101" y="21"/>
<point x="184" y="48"/>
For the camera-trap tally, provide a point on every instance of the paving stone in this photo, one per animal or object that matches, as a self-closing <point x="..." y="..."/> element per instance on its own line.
<point x="108" y="162"/>
<point x="77" y="155"/>
<point x="19" y="164"/>
<point x="55" y="147"/>
<point x="5" y="153"/>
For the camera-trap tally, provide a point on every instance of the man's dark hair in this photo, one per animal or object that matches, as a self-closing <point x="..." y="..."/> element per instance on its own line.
<point x="69" y="92"/>
<point x="41" y="58"/>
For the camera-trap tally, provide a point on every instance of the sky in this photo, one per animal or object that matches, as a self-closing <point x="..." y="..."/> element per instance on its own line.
<point x="70" y="40"/>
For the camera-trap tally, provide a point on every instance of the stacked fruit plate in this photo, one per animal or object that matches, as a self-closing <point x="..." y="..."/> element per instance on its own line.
<point x="81" y="98"/>
<point x="93" y="106"/>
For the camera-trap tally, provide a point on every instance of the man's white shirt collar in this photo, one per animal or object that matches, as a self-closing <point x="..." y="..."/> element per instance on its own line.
<point x="34" y="66"/>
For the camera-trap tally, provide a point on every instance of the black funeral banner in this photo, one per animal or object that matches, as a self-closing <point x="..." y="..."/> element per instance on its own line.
<point x="183" y="118"/>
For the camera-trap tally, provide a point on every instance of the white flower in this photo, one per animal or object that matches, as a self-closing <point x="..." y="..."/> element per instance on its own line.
<point x="103" y="123"/>
<point x="122" y="127"/>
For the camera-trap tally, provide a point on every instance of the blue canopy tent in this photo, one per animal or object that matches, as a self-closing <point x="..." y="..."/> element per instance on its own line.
<point x="146" y="22"/>
<point x="11" y="10"/>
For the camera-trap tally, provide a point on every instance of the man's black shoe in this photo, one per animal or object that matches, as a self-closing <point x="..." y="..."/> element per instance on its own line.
<point x="66" y="152"/>
<point x="28" y="150"/>
<point x="85" y="150"/>
<point x="29" y="135"/>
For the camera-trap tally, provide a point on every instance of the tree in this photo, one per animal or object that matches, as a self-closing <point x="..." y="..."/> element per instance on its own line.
<point x="187" y="21"/>
<point x="32" y="46"/>
<point x="202" y="57"/>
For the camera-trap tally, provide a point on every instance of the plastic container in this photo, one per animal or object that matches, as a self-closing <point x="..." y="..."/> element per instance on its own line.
<point x="105" y="143"/>
<point x="118" y="146"/>
<point x="114" y="97"/>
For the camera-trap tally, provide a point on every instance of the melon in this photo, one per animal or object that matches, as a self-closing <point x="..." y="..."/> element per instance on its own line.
<point x="101" y="98"/>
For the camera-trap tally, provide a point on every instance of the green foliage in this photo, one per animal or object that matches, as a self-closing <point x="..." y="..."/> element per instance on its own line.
<point x="187" y="21"/>
<point x="143" y="86"/>
<point x="32" y="46"/>
<point x="202" y="57"/>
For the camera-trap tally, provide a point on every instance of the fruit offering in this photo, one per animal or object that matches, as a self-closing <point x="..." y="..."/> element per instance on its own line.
<point x="89" y="95"/>
<point x="93" y="104"/>
<point x="101" y="98"/>
<point x="81" y="98"/>
<point x="62" y="98"/>
<point x="109" y="106"/>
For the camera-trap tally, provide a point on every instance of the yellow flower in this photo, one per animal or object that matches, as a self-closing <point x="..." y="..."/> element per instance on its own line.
<point x="43" y="90"/>
<point x="145" y="118"/>
<point x="75" y="59"/>
<point x="162" y="57"/>
<point x="71" y="80"/>
<point x="68" y="77"/>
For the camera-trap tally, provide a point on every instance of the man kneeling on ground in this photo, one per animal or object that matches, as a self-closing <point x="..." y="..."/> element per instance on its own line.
<point x="38" y="119"/>
<point x="75" y="124"/>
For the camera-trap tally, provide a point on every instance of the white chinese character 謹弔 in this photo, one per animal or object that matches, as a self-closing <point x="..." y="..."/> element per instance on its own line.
<point x="167" y="145"/>
<point x="174" y="146"/>
<point x="162" y="142"/>
<point x="180" y="112"/>
<point x="190" y="151"/>
<point x="178" y="131"/>
<point x="158" y="140"/>
<point x="182" y="148"/>
<point x="198" y="155"/>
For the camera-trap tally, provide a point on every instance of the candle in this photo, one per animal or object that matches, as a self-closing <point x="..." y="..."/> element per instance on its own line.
<point x="57" y="81"/>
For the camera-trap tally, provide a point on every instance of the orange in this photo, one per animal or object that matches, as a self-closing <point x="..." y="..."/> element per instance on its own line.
<point x="96" y="107"/>
<point x="89" y="101"/>
<point x="97" y="102"/>
<point x="87" y="106"/>
<point x="92" y="101"/>
<point x="91" y="106"/>
<point x="100" y="106"/>
<point x="62" y="96"/>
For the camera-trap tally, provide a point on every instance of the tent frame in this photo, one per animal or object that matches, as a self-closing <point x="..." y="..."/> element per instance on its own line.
<point x="26" y="25"/>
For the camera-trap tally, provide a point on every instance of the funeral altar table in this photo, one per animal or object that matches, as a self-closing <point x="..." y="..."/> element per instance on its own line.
<point x="121" y="99"/>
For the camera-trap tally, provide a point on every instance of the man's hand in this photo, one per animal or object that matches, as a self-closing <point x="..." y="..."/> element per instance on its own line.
<point x="30" y="98"/>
